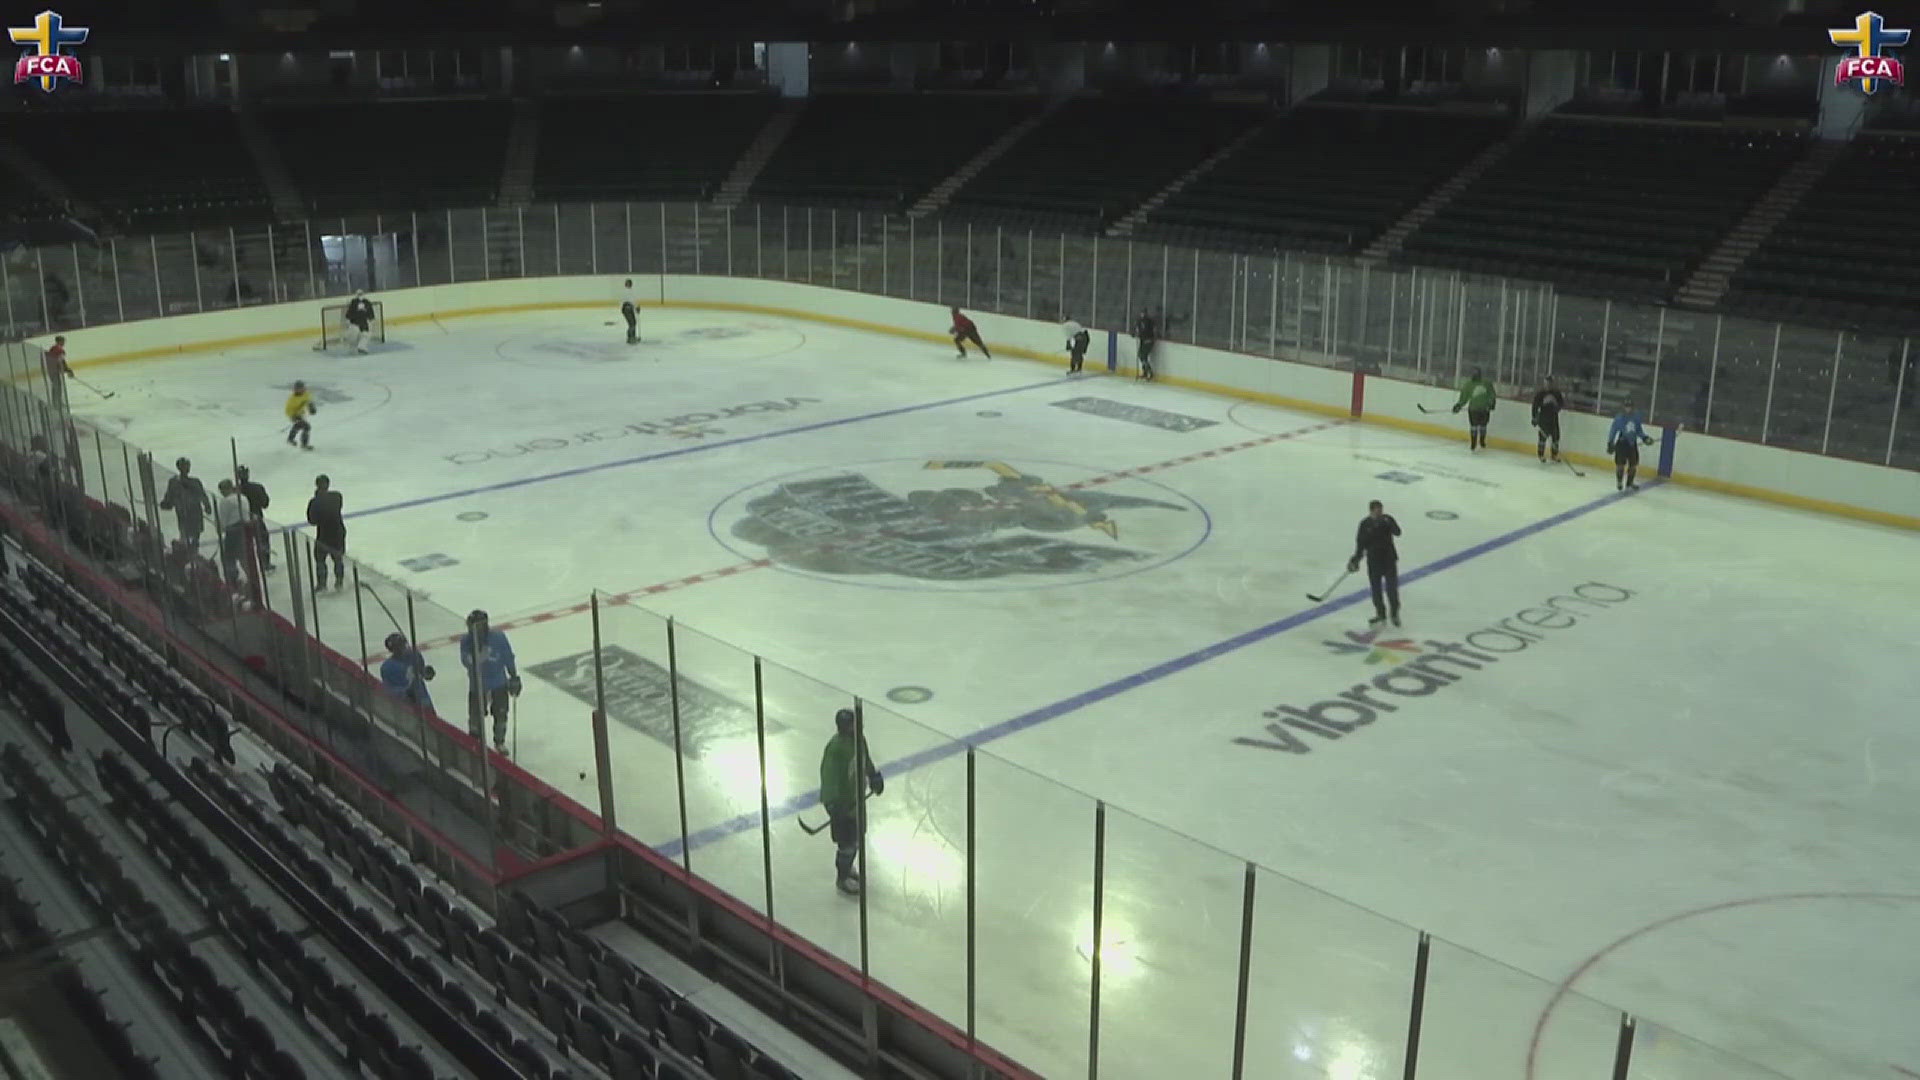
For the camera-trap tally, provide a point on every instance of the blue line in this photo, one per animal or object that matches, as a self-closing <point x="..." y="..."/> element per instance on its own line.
<point x="695" y="449"/>
<point x="811" y="799"/>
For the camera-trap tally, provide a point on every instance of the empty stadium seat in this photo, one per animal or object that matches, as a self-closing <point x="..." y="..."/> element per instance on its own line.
<point x="1605" y="207"/>
<point x="390" y="157"/>
<point x="136" y="169"/>
<point x="1322" y="178"/>
<point x="883" y="151"/>
<point x="666" y="147"/>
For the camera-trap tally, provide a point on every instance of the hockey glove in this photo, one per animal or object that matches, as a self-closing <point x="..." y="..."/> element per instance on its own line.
<point x="1647" y="439"/>
<point x="1456" y="408"/>
<point x="427" y="672"/>
<point x="877" y="782"/>
<point x="1353" y="564"/>
<point x="513" y="685"/>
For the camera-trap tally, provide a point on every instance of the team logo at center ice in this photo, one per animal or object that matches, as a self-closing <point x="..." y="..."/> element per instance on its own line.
<point x="978" y="520"/>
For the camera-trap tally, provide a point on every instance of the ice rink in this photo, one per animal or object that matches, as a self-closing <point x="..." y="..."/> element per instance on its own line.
<point x="1655" y="748"/>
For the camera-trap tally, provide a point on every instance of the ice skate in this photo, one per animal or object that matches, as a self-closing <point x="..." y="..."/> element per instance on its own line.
<point x="1396" y="618"/>
<point x="849" y="884"/>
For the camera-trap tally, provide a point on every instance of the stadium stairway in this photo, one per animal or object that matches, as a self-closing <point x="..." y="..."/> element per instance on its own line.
<point x="523" y="145"/>
<point x="1388" y="244"/>
<point x="1709" y="281"/>
<point x="1127" y="223"/>
<point x="287" y="203"/>
<point x="733" y="190"/>
<point x="936" y="200"/>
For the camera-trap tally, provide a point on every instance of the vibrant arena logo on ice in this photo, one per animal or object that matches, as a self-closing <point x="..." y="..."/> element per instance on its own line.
<point x="1424" y="668"/>
<point x="694" y="425"/>
<point x="49" y="36"/>
<point x="887" y="519"/>
<point x="1869" y="65"/>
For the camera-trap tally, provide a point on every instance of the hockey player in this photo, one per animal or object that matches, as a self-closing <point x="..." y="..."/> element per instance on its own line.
<point x="964" y="331"/>
<point x="1477" y="397"/>
<point x="233" y="520"/>
<point x="630" y="311"/>
<point x="186" y="496"/>
<point x="847" y="777"/>
<point x="1077" y="341"/>
<point x="1547" y="403"/>
<point x="58" y="372"/>
<point x="492" y="677"/>
<point x="1374" y="540"/>
<point x="1146" y="335"/>
<point x="255" y="493"/>
<point x="359" y="318"/>
<point x="406" y="673"/>
<point x="1624" y="440"/>
<point x="329" y="533"/>
<point x="300" y="406"/>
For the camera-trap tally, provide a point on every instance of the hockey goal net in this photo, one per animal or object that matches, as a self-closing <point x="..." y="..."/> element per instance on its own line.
<point x="334" y="328"/>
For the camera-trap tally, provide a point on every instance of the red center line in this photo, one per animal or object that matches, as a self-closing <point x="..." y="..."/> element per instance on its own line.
<point x="762" y="564"/>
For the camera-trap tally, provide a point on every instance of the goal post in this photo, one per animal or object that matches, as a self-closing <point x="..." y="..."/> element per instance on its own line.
<point x="333" y="325"/>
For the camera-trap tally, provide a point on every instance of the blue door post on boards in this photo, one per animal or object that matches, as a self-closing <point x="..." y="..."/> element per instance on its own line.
<point x="1113" y="350"/>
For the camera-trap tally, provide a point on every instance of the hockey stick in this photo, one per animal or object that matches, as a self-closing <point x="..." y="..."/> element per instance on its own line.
<point x="1571" y="469"/>
<point x="1328" y="591"/>
<point x="513" y="730"/>
<point x="811" y="830"/>
<point x="1424" y="409"/>
<point x="103" y="393"/>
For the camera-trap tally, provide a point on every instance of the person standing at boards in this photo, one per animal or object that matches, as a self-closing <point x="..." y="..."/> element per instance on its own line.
<point x="630" y="311"/>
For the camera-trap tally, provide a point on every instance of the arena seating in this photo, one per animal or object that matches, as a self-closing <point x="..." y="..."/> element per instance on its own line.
<point x="150" y="170"/>
<point x="28" y="217"/>
<point x="1095" y="159"/>
<point x="883" y="150"/>
<point x="393" y="156"/>
<point x="541" y="973"/>
<point x="1325" y="179"/>
<point x="1841" y="256"/>
<point x="1612" y="208"/>
<point x="666" y="147"/>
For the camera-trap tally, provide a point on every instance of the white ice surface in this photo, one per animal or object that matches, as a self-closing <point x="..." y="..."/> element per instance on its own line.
<point x="1697" y="803"/>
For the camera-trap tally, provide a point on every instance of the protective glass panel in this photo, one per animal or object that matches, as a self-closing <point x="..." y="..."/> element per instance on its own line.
<point x="136" y="290"/>
<point x="578" y="230"/>
<point x="1684" y="370"/>
<point x="1803" y="381"/>
<point x="1742" y="378"/>
<point x="1579" y="326"/>
<point x="1487" y="1021"/>
<point x="1328" y="987"/>
<point x="465" y="247"/>
<point x="1171" y="921"/>
<point x="1033" y="917"/>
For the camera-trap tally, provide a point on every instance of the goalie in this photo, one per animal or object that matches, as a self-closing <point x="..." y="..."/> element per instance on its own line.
<point x="359" y="321"/>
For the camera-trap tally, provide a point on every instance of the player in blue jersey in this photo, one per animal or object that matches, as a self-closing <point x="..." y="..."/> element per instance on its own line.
<point x="1624" y="440"/>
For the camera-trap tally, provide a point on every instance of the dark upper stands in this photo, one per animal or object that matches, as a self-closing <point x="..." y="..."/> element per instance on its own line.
<point x="28" y="217"/>
<point x="884" y="150"/>
<point x="1095" y="159"/>
<point x="1843" y="254"/>
<point x="393" y="156"/>
<point x="667" y="147"/>
<point x="150" y="170"/>
<point x="1627" y="209"/>
<point x="1323" y="178"/>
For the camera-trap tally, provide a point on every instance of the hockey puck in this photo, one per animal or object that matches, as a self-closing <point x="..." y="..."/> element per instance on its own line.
<point x="989" y="414"/>
<point x="1443" y="515"/>
<point x="473" y="515"/>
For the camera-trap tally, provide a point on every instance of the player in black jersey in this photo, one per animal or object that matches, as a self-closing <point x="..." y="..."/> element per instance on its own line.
<point x="1547" y="403"/>
<point x="1374" y="539"/>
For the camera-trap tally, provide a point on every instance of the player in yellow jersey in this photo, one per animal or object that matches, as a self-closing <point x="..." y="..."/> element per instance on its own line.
<point x="300" y="406"/>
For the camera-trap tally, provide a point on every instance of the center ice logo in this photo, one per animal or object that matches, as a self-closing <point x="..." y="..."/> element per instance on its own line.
<point x="1869" y="65"/>
<point x="1421" y="669"/>
<point x="1019" y="523"/>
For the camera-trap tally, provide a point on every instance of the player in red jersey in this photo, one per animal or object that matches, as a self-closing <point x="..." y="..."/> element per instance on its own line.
<point x="964" y="331"/>
<point x="57" y="370"/>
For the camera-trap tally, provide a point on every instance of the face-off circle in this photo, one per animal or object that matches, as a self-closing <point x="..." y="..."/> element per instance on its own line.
<point x="957" y="524"/>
